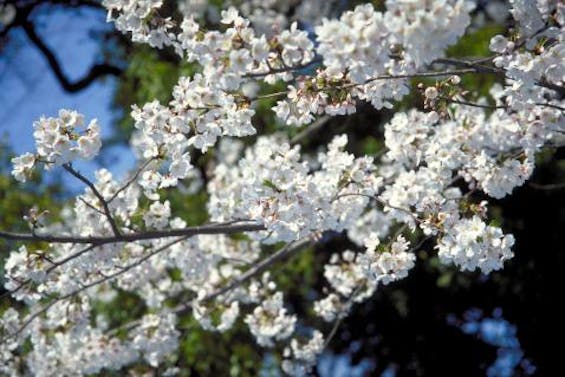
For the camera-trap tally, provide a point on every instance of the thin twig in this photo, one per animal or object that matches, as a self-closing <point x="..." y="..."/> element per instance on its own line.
<point x="479" y="68"/>
<point x="382" y="202"/>
<point x="271" y="95"/>
<point x="69" y="258"/>
<point x="341" y="316"/>
<point x="132" y="179"/>
<point x="91" y="206"/>
<point x="473" y="104"/>
<point x="313" y="127"/>
<point x="476" y="65"/>
<point x="261" y="266"/>
<point x="282" y="69"/>
<point x="551" y="105"/>
<point x="103" y="202"/>
<point x="54" y="265"/>
<point x="548" y="187"/>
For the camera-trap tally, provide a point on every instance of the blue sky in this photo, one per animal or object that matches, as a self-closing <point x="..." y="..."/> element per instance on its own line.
<point x="29" y="89"/>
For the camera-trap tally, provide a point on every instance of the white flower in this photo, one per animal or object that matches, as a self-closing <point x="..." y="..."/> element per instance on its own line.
<point x="304" y="356"/>
<point x="471" y="244"/>
<point x="431" y="92"/>
<point x="23" y="166"/>
<point x="500" y="44"/>
<point x="229" y="16"/>
<point x="269" y="321"/>
<point x="388" y="266"/>
<point x="158" y="215"/>
<point x="58" y="141"/>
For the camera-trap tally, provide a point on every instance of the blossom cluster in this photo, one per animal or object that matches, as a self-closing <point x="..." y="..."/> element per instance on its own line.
<point x="59" y="141"/>
<point x="365" y="45"/>
<point x="533" y="60"/>
<point x="291" y="198"/>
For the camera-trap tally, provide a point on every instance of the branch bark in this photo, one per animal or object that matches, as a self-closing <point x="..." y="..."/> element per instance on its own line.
<point x="212" y="228"/>
<point x="96" y="71"/>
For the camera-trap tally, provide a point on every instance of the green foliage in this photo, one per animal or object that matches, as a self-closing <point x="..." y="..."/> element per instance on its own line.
<point x="191" y="208"/>
<point x="203" y="353"/>
<point x="17" y="199"/>
<point x="150" y="76"/>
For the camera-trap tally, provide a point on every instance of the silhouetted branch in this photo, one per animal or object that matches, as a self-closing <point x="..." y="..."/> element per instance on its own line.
<point x="96" y="71"/>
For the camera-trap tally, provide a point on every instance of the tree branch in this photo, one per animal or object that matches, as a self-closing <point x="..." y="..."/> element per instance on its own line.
<point x="212" y="228"/>
<point x="96" y="71"/>
<point x="132" y="179"/>
<point x="287" y="250"/>
<point x="480" y="68"/>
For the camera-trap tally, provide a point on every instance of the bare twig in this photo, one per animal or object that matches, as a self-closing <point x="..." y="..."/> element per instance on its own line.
<point x="312" y="128"/>
<point x="341" y="316"/>
<point x="474" y="104"/>
<point x="132" y="179"/>
<point x="480" y="68"/>
<point x="103" y="202"/>
<point x="258" y="268"/>
<point x="548" y="187"/>
<point x="283" y="69"/>
<point x="261" y="266"/>
<point x="475" y="65"/>
<point x="382" y="202"/>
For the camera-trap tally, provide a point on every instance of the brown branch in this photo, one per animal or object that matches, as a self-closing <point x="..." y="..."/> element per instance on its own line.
<point x="230" y="227"/>
<point x="341" y="316"/>
<point x="548" y="187"/>
<point x="475" y="65"/>
<point x="480" y="68"/>
<point x="261" y="266"/>
<point x="311" y="129"/>
<point x="474" y="104"/>
<point x="283" y="69"/>
<point x="382" y="77"/>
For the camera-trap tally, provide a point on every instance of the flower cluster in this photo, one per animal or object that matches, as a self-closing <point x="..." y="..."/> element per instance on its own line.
<point x="59" y="141"/>
<point x="471" y="244"/>
<point x="138" y="18"/>
<point x="302" y="357"/>
<point x="365" y="45"/>
<point x="533" y="60"/>
<point x="269" y="321"/>
<point x="388" y="265"/>
<point x="271" y="185"/>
